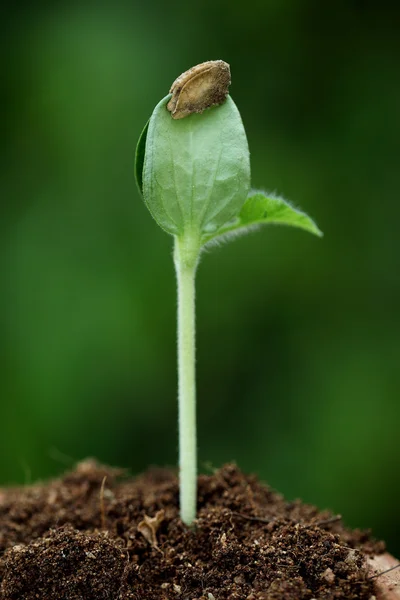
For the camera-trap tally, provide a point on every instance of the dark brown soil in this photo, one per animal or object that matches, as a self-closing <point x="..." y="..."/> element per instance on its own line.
<point x="74" y="539"/>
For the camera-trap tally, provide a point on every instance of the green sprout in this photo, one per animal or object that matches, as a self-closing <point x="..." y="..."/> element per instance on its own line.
<point x="193" y="170"/>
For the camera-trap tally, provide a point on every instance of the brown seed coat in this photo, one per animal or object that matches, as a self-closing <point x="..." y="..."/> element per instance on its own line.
<point x="199" y="88"/>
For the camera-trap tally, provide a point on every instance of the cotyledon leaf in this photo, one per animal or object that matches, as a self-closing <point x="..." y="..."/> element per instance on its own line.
<point x="264" y="209"/>
<point x="196" y="170"/>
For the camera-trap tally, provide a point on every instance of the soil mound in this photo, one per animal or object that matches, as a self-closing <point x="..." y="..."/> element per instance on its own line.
<point x="95" y="535"/>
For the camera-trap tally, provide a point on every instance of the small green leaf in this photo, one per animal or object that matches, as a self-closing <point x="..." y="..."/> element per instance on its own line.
<point x="262" y="209"/>
<point x="139" y="157"/>
<point x="196" y="171"/>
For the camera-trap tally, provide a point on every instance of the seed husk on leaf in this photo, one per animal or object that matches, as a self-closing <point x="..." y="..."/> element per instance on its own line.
<point x="199" y="88"/>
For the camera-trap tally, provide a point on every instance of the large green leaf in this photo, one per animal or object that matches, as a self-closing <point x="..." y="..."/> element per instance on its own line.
<point x="263" y="209"/>
<point x="196" y="171"/>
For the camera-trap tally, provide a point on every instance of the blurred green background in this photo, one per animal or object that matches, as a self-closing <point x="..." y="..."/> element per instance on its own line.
<point x="298" y="338"/>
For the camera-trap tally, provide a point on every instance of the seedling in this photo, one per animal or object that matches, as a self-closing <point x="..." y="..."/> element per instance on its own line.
<point x="193" y="170"/>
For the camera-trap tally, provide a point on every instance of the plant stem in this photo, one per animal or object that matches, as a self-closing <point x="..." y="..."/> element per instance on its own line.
<point x="186" y="258"/>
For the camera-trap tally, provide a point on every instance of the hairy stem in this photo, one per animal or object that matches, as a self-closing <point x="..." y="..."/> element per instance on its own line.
<point x="186" y="256"/>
